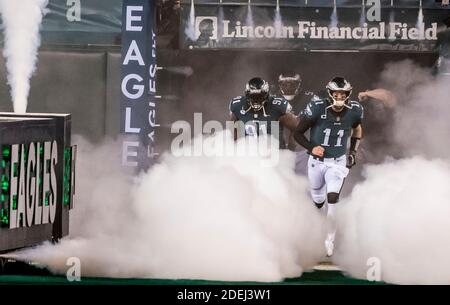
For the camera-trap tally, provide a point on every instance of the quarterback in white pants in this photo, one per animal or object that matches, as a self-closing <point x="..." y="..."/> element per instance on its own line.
<point x="331" y="121"/>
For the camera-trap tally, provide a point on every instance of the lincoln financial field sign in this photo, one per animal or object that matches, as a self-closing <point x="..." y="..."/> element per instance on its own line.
<point x="309" y="28"/>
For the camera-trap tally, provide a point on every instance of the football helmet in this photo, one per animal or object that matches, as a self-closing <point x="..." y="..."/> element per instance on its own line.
<point x="339" y="84"/>
<point x="289" y="84"/>
<point x="257" y="93"/>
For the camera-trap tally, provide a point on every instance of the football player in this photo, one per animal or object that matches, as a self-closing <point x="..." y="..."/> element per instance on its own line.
<point x="257" y="109"/>
<point x="331" y="122"/>
<point x="289" y="85"/>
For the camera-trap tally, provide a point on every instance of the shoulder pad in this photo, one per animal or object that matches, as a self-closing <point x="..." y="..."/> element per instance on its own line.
<point x="315" y="108"/>
<point x="357" y="108"/>
<point x="278" y="98"/>
<point x="275" y="100"/>
<point x="236" y="100"/>
<point x="315" y="98"/>
<point x="318" y="101"/>
<point x="355" y="103"/>
<point x="236" y="103"/>
<point x="280" y="104"/>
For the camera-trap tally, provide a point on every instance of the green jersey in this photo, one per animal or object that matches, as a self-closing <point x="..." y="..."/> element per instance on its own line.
<point x="259" y="122"/>
<point x="332" y="129"/>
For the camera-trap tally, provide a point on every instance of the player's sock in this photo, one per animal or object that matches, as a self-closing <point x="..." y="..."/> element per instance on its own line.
<point x="331" y="210"/>
<point x="329" y="246"/>
<point x="324" y="210"/>
<point x="331" y="221"/>
<point x="331" y="229"/>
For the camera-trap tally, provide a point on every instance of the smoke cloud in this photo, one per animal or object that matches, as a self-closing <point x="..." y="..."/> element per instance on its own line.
<point x="217" y="218"/>
<point x="399" y="214"/>
<point x="21" y="22"/>
<point x="421" y="123"/>
<point x="278" y="22"/>
<point x="190" y="26"/>
<point x="249" y="17"/>
<point x="334" y="17"/>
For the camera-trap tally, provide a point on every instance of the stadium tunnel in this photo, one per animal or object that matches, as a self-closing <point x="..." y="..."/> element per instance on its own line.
<point x="266" y="38"/>
<point x="203" y="78"/>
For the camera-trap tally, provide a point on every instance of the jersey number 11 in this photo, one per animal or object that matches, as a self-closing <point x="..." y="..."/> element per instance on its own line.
<point x="327" y="133"/>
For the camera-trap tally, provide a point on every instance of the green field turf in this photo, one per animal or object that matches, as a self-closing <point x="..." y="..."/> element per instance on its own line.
<point x="21" y="273"/>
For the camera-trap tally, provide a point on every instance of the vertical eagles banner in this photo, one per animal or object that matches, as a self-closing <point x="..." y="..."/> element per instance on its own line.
<point x="138" y="85"/>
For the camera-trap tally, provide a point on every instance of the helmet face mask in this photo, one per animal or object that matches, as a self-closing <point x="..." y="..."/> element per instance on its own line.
<point x="339" y="97"/>
<point x="289" y="85"/>
<point x="256" y="92"/>
<point x="256" y="101"/>
<point x="339" y="90"/>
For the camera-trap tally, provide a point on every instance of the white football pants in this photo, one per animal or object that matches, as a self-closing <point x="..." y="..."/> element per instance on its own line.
<point x="326" y="176"/>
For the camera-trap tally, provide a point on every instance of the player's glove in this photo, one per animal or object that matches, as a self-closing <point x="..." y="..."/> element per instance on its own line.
<point x="351" y="159"/>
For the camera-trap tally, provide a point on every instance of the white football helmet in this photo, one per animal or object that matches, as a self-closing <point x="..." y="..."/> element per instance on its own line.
<point x="339" y="84"/>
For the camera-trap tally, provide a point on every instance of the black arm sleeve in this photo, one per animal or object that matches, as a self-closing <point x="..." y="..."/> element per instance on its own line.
<point x="354" y="144"/>
<point x="356" y="124"/>
<point x="299" y="133"/>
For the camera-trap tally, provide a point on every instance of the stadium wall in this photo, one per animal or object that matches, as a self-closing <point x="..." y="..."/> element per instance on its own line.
<point x="86" y="83"/>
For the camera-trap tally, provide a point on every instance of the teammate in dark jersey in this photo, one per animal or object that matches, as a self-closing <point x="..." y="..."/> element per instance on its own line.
<point x="290" y="87"/>
<point x="257" y="109"/>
